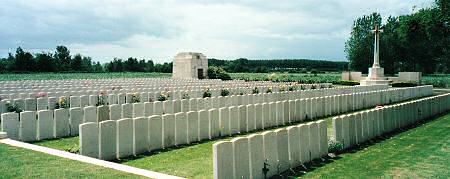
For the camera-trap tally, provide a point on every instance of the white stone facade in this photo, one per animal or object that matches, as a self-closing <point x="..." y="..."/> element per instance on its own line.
<point x="190" y="65"/>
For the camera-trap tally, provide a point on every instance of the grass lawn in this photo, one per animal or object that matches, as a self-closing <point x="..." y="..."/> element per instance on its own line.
<point x="61" y="144"/>
<point x="421" y="152"/>
<point x="23" y="163"/>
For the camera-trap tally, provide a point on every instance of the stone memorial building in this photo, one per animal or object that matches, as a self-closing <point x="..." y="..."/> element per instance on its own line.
<point x="190" y="65"/>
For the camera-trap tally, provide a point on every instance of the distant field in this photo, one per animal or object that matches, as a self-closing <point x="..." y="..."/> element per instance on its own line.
<point x="65" y="76"/>
<point x="442" y="81"/>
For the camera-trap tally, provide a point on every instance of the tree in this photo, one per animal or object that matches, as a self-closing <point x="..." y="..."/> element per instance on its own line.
<point x="24" y="61"/>
<point x="360" y="43"/>
<point x="76" y="63"/>
<point x="62" y="57"/>
<point x="45" y="62"/>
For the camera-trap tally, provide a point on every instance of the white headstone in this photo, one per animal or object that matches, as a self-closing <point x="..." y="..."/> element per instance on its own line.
<point x="107" y="140"/>
<point x="124" y="137"/>
<point x="89" y="141"/>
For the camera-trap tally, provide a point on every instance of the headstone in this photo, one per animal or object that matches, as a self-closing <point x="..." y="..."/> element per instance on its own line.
<point x="223" y="160"/>
<point x="61" y="121"/>
<point x="323" y="138"/>
<point x="214" y="123"/>
<point x="270" y="148"/>
<point x="76" y="118"/>
<point x="168" y="123"/>
<point x="283" y="149"/>
<point x="45" y="124"/>
<point x="158" y="108"/>
<point x="155" y="132"/>
<point x="203" y="125"/>
<point x="93" y="100"/>
<point x="251" y="120"/>
<point x="30" y="104"/>
<point x="27" y="129"/>
<point x="224" y="121"/>
<point x="90" y="114"/>
<point x="124" y="137"/>
<point x="193" y="104"/>
<point x="75" y="102"/>
<point x="305" y="155"/>
<point x="193" y="130"/>
<point x="185" y="105"/>
<point x="241" y="157"/>
<point x="242" y="118"/>
<point x="113" y="99"/>
<point x="234" y="120"/>
<point x="293" y="146"/>
<point x="138" y="110"/>
<point x="89" y="139"/>
<point x="148" y="109"/>
<point x="280" y="113"/>
<point x="115" y="112"/>
<point x="272" y="115"/>
<point x="102" y="113"/>
<point x="256" y="160"/>
<point x="107" y="140"/>
<point x="168" y="107"/>
<point x="52" y="101"/>
<point x="140" y="135"/>
<point x="181" y="129"/>
<point x="127" y="110"/>
<point x="258" y="116"/>
<point x="42" y="103"/>
<point x="313" y="140"/>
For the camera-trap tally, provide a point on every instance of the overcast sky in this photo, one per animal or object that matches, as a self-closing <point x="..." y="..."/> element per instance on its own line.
<point x="158" y="30"/>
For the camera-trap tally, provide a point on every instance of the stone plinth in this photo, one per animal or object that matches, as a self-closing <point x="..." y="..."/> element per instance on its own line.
<point x="376" y="77"/>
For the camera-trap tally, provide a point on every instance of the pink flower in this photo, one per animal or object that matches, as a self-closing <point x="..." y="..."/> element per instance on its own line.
<point x="41" y="94"/>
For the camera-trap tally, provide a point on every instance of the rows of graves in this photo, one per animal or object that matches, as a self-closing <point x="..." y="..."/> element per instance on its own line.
<point x="167" y="130"/>
<point x="360" y="127"/>
<point x="273" y="152"/>
<point x="43" y="103"/>
<point x="45" y="124"/>
<point x="21" y="90"/>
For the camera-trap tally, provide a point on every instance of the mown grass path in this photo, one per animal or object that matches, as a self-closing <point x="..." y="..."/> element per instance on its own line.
<point x="421" y="152"/>
<point x="22" y="163"/>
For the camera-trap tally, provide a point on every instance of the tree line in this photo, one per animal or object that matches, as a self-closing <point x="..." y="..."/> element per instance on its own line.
<point x="283" y="65"/>
<point x="416" y="42"/>
<point x="62" y="61"/>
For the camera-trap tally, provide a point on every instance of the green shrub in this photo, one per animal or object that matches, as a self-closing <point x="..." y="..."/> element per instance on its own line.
<point x="185" y="96"/>
<point x="135" y="98"/>
<point x="218" y="73"/>
<point x="335" y="147"/>
<point x="207" y="93"/>
<point x="347" y="83"/>
<point x="224" y="92"/>
<point x="403" y="84"/>
<point x="255" y="90"/>
<point x="13" y="107"/>
<point x="163" y="96"/>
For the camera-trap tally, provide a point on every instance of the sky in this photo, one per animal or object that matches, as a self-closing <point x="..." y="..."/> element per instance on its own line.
<point x="158" y="30"/>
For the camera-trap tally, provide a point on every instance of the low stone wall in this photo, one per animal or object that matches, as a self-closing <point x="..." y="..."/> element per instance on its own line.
<point x="363" y="126"/>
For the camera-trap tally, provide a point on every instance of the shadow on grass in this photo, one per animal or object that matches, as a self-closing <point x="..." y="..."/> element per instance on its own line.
<point x="331" y="157"/>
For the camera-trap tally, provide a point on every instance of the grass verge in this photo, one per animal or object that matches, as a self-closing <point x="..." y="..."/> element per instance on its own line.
<point x="23" y="163"/>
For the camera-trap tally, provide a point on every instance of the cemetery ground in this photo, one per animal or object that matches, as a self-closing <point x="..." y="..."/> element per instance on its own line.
<point x="439" y="81"/>
<point x="420" y="151"/>
<point x="23" y="163"/>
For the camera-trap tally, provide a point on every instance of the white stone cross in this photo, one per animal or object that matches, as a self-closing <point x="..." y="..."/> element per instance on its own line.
<point x="376" y="49"/>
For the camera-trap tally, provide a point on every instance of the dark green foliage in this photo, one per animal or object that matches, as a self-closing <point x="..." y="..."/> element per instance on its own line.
<point x="403" y="84"/>
<point x="207" y="93"/>
<point x="347" y="83"/>
<point x="335" y="147"/>
<point x="415" y="42"/>
<point x="280" y="65"/>
<point x="218" y="73"/>
<point x="224" y="92"/>
<point x="13" y="108"/>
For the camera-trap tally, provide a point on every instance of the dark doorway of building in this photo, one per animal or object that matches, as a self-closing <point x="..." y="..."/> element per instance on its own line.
<point x="200" y="74"/>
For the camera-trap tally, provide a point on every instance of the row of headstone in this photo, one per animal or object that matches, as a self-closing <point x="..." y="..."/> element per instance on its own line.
<point x="358" y="128"/>
<point x="113" y="139"/>
<point x="270" y="153"/>
<point x="42" y="103"/>
<point x="23" y="92"/>
<point x="250" y="117"/>
<point x="193" y="126"/>
<point x="45" y="124"/>
<point x="31" y="104"/>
